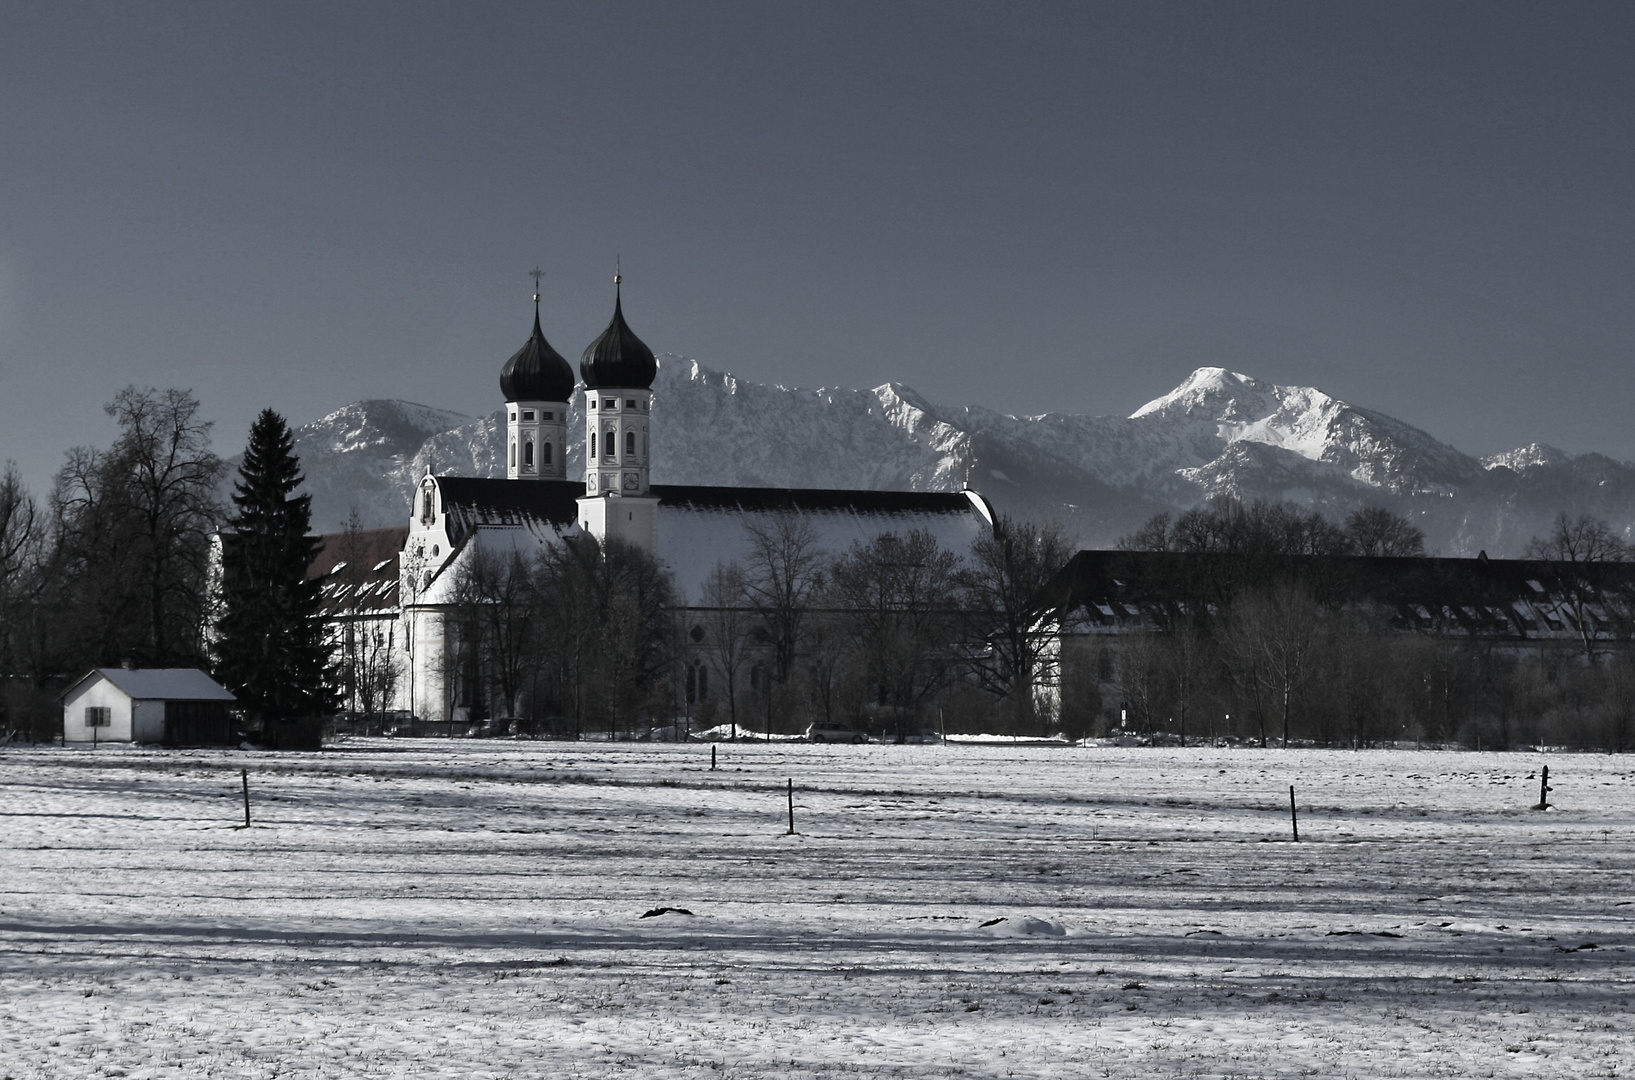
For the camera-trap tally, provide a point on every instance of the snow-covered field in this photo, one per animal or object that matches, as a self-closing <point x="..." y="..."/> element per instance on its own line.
<point x="429" y="909"/>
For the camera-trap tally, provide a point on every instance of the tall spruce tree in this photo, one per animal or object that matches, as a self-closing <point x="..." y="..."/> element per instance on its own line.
<point x="270" y="645"/>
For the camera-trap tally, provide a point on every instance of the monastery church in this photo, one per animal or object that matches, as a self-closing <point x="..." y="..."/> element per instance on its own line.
<point x="689" y="529"/>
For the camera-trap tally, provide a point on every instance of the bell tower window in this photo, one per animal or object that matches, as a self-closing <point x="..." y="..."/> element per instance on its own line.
<point x="545" y="453"/>
<point x="630" y="444"/>
<point x="593" y="444"/>
<point x="528" y="455"/>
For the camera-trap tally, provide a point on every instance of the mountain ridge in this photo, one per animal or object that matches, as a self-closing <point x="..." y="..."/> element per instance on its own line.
<point x="1217" y="433"/>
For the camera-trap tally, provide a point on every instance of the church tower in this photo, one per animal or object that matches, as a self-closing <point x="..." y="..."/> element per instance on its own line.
<point x="537" y="383"/>
<point x="618" y="372"/>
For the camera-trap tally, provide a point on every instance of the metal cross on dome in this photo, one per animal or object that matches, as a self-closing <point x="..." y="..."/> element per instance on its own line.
<point x="537" y="274"/>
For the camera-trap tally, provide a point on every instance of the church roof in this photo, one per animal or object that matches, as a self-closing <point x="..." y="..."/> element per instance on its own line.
<point x="618" y="358"/>
<point x="537" y="372"/>
<point x="698" y="526"/>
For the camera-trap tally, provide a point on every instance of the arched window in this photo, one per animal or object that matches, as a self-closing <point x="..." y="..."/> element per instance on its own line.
<point x="630" y="444"/>
<point x="528" y="454"/>
<point x="545" y="453"/>
<point x="513" y="453"/>
<point x="610" y="443"/>
<point x="593" y="444"/>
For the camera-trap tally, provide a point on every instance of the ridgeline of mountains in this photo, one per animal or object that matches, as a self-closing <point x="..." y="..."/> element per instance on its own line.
<point x="1218" y="433"/>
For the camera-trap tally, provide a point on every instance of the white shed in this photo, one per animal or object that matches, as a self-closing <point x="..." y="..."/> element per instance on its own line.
<point x="146" y="705"/>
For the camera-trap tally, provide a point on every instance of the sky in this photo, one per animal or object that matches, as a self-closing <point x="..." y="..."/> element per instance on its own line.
<point x="1422" y="209"/>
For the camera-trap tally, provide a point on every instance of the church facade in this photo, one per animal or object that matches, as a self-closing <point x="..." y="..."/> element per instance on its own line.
<point x="455" y="521"/>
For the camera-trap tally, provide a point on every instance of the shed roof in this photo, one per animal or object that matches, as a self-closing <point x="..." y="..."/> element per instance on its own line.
<point x="161" y="684"/>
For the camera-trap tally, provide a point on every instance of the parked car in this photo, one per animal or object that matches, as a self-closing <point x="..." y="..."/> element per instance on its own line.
<point x="834" y="731"/>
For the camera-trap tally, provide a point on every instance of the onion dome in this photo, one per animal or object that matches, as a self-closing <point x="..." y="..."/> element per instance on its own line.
<point x="537" y="372"/>
<point x="618" y="358"/>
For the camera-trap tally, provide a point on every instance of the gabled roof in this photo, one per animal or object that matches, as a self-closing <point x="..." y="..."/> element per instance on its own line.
<point x="1507" y="598"/>
<point x="161" y="684"/>
<point x="698" y="526"/>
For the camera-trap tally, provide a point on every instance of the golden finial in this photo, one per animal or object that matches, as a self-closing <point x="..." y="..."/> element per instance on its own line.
<point x="617" y="277"/>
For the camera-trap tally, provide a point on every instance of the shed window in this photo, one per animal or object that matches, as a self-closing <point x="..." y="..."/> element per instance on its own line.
<point x="98" y="716"/>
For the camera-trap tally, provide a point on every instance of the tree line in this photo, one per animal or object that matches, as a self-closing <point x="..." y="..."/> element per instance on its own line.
<point x="115" y="566"/>
<point x="584" y="637"/>
<point x="1278" y="654"/>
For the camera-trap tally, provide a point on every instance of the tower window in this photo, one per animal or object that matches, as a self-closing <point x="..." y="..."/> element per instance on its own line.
<point x="610" y="443"/>
<point x="630" y="404"/>
<point x="593" y="403"/>
<point x="630" y="444"/>
<point x="545" y="453"/>
<point x="513" y="416"/>
<point x="513" y="453"/>
<point x="593" y="444"/>
<point x="528" y="455"/>
<point x="528" y="414"/>
<point x="549" y="415"/>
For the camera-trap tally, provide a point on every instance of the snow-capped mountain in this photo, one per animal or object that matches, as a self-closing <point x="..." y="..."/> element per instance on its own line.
<point x="1218" y="433"/>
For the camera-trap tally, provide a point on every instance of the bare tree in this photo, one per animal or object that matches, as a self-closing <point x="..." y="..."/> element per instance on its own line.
<point x="781" y="574"/>
<point x="21" y="534"/>
<point x="901" y="596"/>
<point x="728" y="626"/>
<point x="1577" y="553"/>
<point x="1375" y="530"/>
<point x="1009" y="569"/>
<point x="1272" y="638"/>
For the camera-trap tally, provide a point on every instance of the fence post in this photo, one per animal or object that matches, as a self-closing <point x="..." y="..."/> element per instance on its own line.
<point x="791" y="807"/>
<point x="1294" y="818"/>
<point x="1543" y="789"/>
<point x="244" y="777"/>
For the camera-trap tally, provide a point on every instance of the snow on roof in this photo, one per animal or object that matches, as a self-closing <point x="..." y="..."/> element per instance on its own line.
<point x="164" y="684"/>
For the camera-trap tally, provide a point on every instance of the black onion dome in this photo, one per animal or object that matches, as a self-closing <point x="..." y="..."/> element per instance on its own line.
<point x="537" y="372"/>
<point x="618" y="358"/>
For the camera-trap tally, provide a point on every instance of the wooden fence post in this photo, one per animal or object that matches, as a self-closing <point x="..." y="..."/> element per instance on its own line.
<point x="1294" y="818"/>
<point x="791" y="807"/>
<point x="244" y="778"/>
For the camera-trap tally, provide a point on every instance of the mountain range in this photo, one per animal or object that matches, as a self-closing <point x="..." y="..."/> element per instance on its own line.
<point x="1218" y="433"/>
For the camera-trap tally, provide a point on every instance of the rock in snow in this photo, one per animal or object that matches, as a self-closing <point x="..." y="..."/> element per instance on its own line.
<point x="1218" y="433"/>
